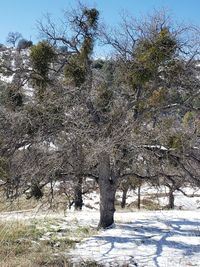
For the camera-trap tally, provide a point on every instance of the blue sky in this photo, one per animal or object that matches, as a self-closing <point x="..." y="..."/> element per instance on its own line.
<point x="21" y="15"/>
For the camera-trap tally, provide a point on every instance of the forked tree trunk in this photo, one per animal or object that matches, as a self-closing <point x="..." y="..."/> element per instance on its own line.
<point x="78" y="199"/>
<point x="107" y="187"/>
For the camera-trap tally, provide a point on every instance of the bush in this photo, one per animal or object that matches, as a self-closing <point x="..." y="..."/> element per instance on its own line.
<point x="2" y="47"/>
<point x="42" y="55"/>
<point x="24" y="44"/>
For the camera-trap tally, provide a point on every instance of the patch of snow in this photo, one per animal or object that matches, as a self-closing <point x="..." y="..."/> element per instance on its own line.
<point x="2" y="182"/>
<point x="52" y="146"/>
<point x="24" y="147"/>
<point x="6" y="79"/>
<point x="148" y="239"/>
<point x="156" y="146"/>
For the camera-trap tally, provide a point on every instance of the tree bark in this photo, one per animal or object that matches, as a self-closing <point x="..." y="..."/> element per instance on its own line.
<point x="124" y="196"/>
<point x="77" y="152"/>
<point x="139" y="196"/>
<point x="107" y="186"/>
<point x="171" y="198"/>
<point x="78" y="199"/>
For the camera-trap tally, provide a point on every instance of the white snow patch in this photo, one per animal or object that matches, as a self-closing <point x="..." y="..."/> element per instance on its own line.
<point x="148" y="239"/>
<point x="156" y="146"/>
<point x="6" y="79"/>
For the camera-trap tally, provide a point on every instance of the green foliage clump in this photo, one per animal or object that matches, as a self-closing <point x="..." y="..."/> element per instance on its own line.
<point x="154" y="52"/>
<point x="86" y="49"/>
<point x="75" y="72"/>
<point x="92" y="17"/>
<point x="157" y="98"/>
<point x="41" y="56"/>
<point x="88" y="26"/>
<point x="176" y="141"/>
<point x="151" y="53"/>
<point x="188" y="118"/>
<point x="140" y="74"/>
<point x="104" y="97"/>
<point x="77" y="67"/>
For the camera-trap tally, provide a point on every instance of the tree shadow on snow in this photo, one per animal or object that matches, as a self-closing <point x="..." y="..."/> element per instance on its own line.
<point x="143" y="232"/>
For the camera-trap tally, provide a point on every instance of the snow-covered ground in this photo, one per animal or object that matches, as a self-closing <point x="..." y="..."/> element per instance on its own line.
<point x="157" y="195"/>
<point x="143" y="238"/>
<point x="140" y="238"/>
<point x="146" y="239"/>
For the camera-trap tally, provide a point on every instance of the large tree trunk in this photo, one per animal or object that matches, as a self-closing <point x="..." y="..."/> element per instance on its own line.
<point x="107" y="186"/>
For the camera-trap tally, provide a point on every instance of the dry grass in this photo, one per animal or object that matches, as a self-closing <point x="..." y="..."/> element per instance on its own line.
<point x="150" y="204"/>
<point x="42" y="242"/>
<point x="38" y="243"/>
<point x="18" y="204"/>
<point x="58" y="203"/>
<point x="146" y="204"/>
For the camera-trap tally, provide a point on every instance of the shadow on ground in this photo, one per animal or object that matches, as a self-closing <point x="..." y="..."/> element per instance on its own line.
<point x="149" y="239"/>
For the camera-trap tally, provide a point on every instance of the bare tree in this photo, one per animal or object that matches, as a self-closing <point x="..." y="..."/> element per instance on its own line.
<point x="13" y="37"/>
